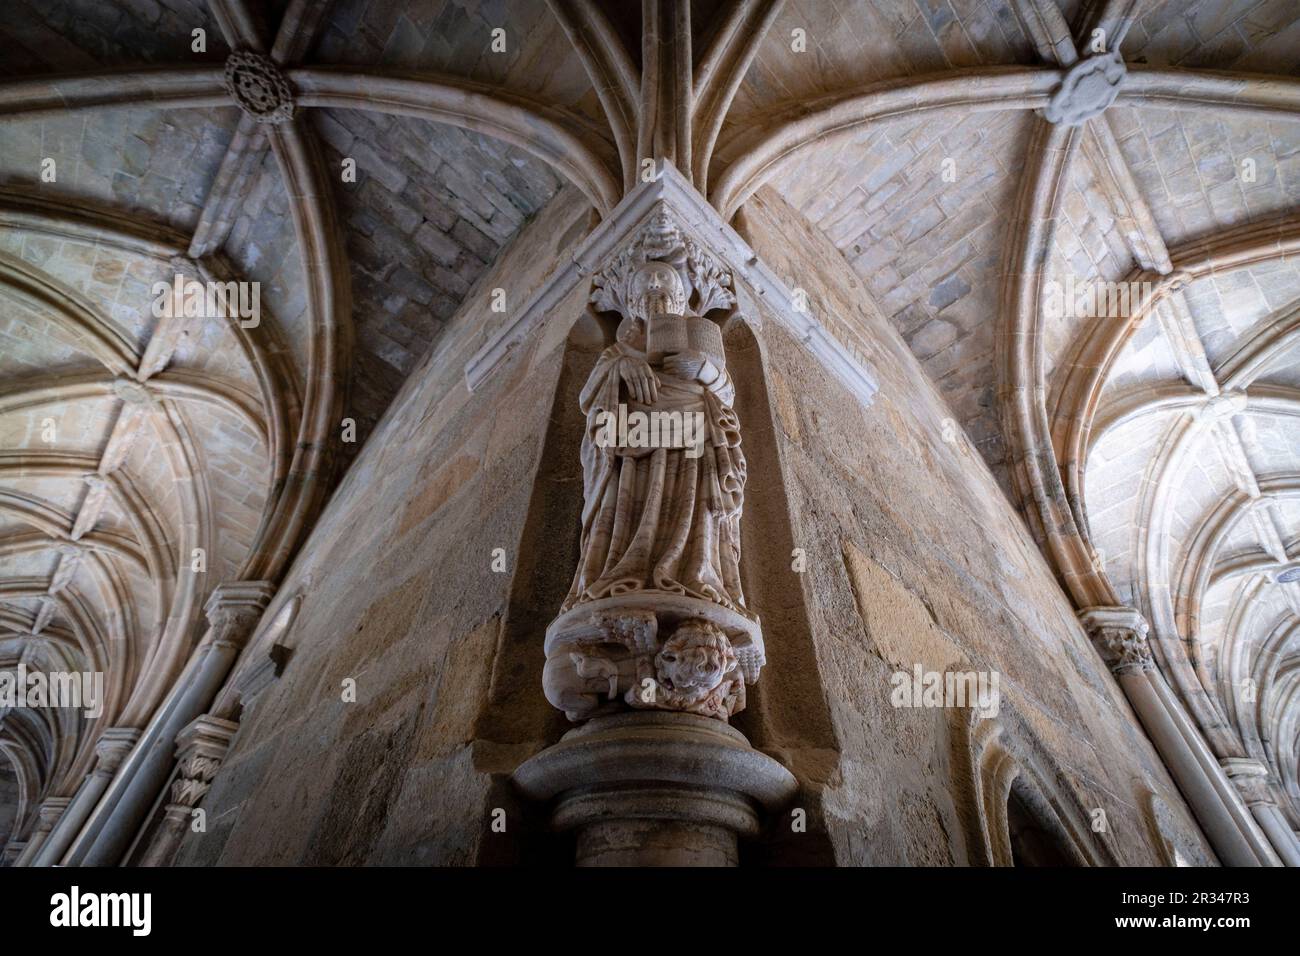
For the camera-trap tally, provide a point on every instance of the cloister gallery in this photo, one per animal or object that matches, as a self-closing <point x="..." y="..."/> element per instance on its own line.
<point x="674" y="432"/>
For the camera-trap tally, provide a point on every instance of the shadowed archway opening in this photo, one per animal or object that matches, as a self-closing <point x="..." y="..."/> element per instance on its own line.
<point x="1036" y="835"/>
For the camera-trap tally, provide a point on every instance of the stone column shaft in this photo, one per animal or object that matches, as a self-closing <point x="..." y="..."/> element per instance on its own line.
<point x="113" y="746"/>
<point x="1279" y="834"/>
<point x="51" y="810"/>
<point x="1252" y="779"/>
<point x="1120" y="636"/>
<point x="233" y="611"/>
<point x="200" y="749"/>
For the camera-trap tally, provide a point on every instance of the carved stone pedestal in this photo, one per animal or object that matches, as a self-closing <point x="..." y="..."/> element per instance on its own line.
<point x="656" y="789"/>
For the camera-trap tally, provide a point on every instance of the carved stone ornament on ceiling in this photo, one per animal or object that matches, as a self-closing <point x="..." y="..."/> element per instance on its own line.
<point x="133" y="393"/>
<point x="1223" y="405"/>
<point x="656" y="618"/>
<point x="258" y="87"/>
<point x="1088" y="90"/>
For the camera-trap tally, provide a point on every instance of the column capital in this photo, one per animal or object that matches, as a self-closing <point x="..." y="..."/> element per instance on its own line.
<point x="1120" y="635"/>
<point x="50" y="810"/>
<point x="200" y="749"/>
<point x="234" y="609"/>
<point x="207" y="735"/>
<point x="112" y="747"/>
<point x="1251" y="778"/>
<point x="12" y="851"/>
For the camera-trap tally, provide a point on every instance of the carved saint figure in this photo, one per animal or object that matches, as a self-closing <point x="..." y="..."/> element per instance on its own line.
<point x="660" y="515"/>
<point x="655" y="617"/>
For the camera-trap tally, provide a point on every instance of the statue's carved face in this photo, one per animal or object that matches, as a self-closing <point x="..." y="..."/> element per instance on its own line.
<point x="656" y="289"/>
<point x="695" y="659"/>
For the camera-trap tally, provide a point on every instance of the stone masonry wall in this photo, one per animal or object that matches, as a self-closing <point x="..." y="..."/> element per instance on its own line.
<point x="913" y="555"/>
<point x="399" y="595"/>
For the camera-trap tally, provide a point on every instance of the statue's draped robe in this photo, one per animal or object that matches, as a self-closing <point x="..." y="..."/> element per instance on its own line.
<point x="654" y="518"/>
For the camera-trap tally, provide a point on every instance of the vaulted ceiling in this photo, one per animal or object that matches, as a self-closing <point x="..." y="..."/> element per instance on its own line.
<point x="1176" y="431"/>
<point x="1155" y="454"/>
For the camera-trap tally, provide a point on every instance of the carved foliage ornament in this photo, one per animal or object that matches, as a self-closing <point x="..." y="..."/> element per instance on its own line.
<point x="706" y="282"/>
<point x="202" y="747"/>
<point x="258" y="87"/>
<point x="1120" y="636"/>
<point x="1123" y="650"/>
<point x="232" y="623"/>
<point x="197" y="772"/>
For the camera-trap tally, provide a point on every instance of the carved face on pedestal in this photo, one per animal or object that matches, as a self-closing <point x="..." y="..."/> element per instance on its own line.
<point x="695" y="659"/>
<point x="656" y="289"/>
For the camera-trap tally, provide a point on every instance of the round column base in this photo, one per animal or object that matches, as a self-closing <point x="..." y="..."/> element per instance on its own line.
<point x="656" y="788"/>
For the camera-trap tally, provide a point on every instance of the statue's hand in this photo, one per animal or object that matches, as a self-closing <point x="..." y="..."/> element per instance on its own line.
<point x="641" y="382"/>
<point x="689" y="365"/>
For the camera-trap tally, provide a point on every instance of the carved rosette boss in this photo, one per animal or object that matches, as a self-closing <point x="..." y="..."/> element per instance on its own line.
<point x="655" y="618"/>
<point x="258" y="87"/>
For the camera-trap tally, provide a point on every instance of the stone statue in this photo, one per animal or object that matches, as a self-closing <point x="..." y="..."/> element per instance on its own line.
<point x="656" y="602"/>
<point x="657" y="514"/>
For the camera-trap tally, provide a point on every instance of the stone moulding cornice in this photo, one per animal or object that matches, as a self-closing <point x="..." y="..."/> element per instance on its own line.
<point x="1114" y="616"/>
<point x="206" y="735"/>
<point x="256" y="593"/>
<point x="1251" y="778"/>
<point x="237" y="605"/>
<point x="693" y="214"/>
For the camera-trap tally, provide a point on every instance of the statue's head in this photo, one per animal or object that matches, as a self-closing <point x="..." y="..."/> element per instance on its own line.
<point x="695" y="659"/>
<point x="656" y="289"/>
